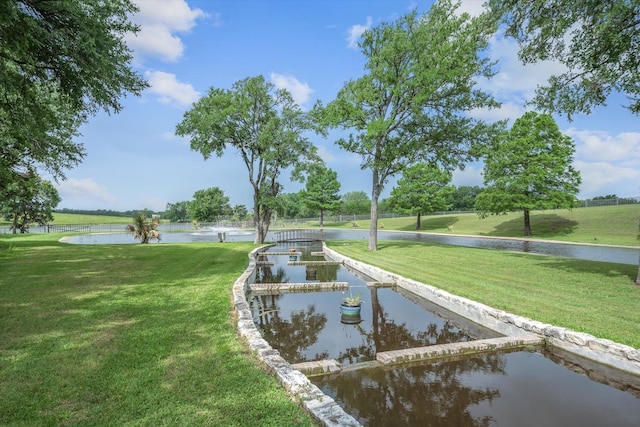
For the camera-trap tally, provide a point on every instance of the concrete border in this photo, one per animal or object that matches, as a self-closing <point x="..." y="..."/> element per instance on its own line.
<point x="603" y="351"/>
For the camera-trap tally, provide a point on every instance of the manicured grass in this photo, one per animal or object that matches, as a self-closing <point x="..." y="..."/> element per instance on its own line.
<point x="614" y="225"/>
<point x="78" y="219"/>
<point x="128" y="335"/>
<point x="594" y="297"/>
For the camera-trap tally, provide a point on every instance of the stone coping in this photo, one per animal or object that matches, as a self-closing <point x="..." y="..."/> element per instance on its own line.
<point x="439" y="351"/>
<point x="602" y="351"/>
<point x="292" y="286"/>
<point x="322" y="407"/>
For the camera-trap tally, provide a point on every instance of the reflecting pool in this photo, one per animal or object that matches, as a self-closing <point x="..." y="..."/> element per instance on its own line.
<point x="535" y="387"/>
<point x="524" y="388"/>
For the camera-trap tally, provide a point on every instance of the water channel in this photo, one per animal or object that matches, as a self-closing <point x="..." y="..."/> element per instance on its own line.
<point x="534" y="387"/>
<point x="616" y="254"/>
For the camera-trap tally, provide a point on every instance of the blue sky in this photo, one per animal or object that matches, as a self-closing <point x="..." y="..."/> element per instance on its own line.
<point x="134" y="160"/>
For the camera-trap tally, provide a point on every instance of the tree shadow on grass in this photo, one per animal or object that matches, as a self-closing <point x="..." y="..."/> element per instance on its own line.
<point x="432" y="223"/>
<point x="542" y="225"/>
<point x="604" y="269"/>
<point x="120" y="330"/>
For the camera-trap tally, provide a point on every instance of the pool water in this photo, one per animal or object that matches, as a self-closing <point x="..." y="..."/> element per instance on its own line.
<point x="524" y="388"/>
<point x="519" y="388"/>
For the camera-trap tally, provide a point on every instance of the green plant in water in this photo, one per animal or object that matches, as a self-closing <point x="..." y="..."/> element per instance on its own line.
<point x="352" y="301"/>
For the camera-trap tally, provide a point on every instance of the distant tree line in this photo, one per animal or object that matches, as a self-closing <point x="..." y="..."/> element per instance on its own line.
<point x="296" y="206"/>
<point x="101" y="212"/>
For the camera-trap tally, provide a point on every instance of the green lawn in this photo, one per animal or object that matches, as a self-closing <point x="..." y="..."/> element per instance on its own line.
<point x="614" y="225"/>
<point x="594" y="297"/>
<point x="128" y="335"/>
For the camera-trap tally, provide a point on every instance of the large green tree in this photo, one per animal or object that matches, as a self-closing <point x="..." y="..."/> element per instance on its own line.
<point x="355" y="203"/>
<point x="322" y="190"/>
<point x="265" y="126"/>
<point x="290" y="206"/>
<point x="596" y="40"/>
<point x="177" y="212"/>
<point x="60" y="61"/>
<point x="26" y="199"/>
<point x="529" y="167"/>
<point x="464" y="198"/>
<point x="208" y="205"/>
<point x="423" y="189"/>
<point x="411" y="105"/>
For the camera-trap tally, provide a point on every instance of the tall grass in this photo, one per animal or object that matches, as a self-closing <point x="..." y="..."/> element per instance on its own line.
<point x="128" y="335"/>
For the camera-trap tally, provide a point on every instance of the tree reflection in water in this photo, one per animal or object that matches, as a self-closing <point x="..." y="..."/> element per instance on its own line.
<point x="295" y="332"/>
<point x="424" y="395"/>
<point x="265" y="274"/>
<point x="290" y="337"/>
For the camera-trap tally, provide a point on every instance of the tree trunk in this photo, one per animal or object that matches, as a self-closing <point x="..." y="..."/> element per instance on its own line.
<point x="321" y="217"/>
<point x="263" y="228"/>
<point x="418" y="222"/>
<point x="15" y="224"/>
<point x="373" y="229"/>
<point x="527" y="223"/>
<point x="257" y="220"/>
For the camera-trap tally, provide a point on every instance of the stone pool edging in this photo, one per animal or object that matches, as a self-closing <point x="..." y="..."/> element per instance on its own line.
<point x="600" y="350"/>
<point x="322" y="407"/>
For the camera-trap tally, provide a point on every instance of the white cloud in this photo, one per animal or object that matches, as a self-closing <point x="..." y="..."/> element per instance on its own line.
<point x="170" y="90"/>
<point x="470" y="176"/>
<point x="472" y="7"/>
<point x="159" y="21"/>
<point x="356" y="31"/>
<point x="154" y="203"/>
<point x="85" y="189"/>
<point x="325" y="154"/>
<point x="515" y="82"/>
<point x="599" y="145"/>
<point x="301" y="92"/>
<point x="597" y="175"/>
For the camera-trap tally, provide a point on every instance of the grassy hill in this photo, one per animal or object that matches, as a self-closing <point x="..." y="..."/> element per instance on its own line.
<point x="615" y="225"/>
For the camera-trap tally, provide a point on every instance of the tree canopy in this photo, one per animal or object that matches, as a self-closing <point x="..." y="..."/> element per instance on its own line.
<point x="208" y="205"/>
<point x="423" y="189"/>
<point x="265" y="126"/>
<point x="411" y="104"/>
<point x="177" y="212"/>
<point x="596" y="40"/>
<point x="529" y="167"/>
<point x="355" y="203"/>
<point x="28" y="199"/>
<point x="322" y="190"/>
<point x="60" y="61"/>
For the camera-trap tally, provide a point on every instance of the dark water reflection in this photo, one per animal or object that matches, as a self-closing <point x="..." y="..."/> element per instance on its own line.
<point x="308" y="326"/>
<point x="523" y="388"/>
<point x="520" y="388"/>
